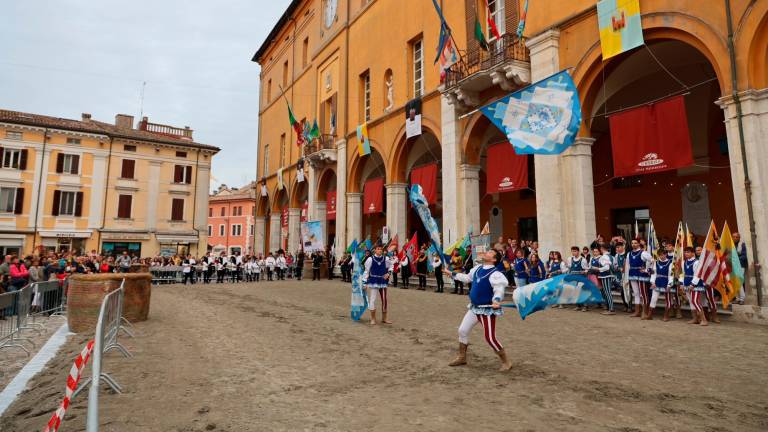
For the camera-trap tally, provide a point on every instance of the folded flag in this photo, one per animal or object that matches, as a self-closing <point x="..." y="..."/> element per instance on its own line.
<point x="709" y="271"/>
<point x="314" y="133"/>
<point x="730" y="267"/>
<point x="542" y="118"/>
<point x="297" y="127"/>
<point x="521" y="24"/>
<point x="559" y="290"/>
<point x="480" y="34"/>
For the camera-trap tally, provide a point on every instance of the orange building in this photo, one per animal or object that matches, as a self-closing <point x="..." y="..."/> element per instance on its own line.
<point x="347" y="62"/>
<point x="231" y="214"/>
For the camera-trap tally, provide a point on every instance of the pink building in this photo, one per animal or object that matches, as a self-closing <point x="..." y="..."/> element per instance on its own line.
<point x="230" y="219"/>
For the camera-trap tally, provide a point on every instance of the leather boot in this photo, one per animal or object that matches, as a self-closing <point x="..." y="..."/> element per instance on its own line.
<point x="703" y="319"/>
<point x="714" y="318"/>
<point x="461" y="359"/>
<point x="373" y="317"/>
<point x="638" y="311"/>
<point x="384" y="318"/>
<point x="505" y="363"/>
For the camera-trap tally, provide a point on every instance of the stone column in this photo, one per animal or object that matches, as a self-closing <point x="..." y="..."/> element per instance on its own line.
<point x="274" y="232"/>
<point x="152" y="194"/>
<point x="341" y="192"/>
<point x="294" y="229"/>
<point x="550" y="211"/>
<point x="469" y="176"/>
<point x="397" y="211"/>
<point x="354" y="216"/>
<point x="259" y="234"/>
<point x="319" y="215"/>
<point x="311" y="179"/>
<point x="754" y="104"/>
<point x="451" y="150"/>
<point x="579" y="199"/>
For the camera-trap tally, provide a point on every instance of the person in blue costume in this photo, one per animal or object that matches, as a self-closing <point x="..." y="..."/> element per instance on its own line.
<point x="661" y="281"/>
<point x="488" y="288"/>
<point x="376" y="279"/>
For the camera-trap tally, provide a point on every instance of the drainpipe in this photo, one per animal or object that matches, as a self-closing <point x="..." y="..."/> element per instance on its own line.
<point x="194" y="205"/>
<point x="106" y="193"/>
<point x="39" y="185"/>
<point x="742" y="145"/>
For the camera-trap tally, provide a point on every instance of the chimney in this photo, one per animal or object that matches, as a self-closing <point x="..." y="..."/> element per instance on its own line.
<point x="86" y="117"/>
<point x="143" y="123"/>
<point x="187" y="132"/>
<point x="124" y="121"/>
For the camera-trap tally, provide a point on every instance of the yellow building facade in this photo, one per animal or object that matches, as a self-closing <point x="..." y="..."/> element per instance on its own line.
<point x="85" y="185"/>
<point x="347" y="62"/>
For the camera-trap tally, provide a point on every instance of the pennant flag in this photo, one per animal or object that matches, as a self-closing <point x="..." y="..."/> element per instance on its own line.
<point x="542" y="118"/>
<point x="710" y="265"/>
<point x="363" y="145"/>
<point x="297" y="127"/>
<point x="462" y="245"/>
<point x="730" y="267"/>
<point x="300" y="170"/>
<point x="409" y="250"/>
<point x="486" y="229"/>
<point x="521" y="24"/>
<point x="413" y="118"/>
<point x="445" y="31"/>
<point x="480" y="34"/>
<point x="507" y="171"/>
<point x="620" y="26"/>
<point x="492" y="29"/>
<point x="359" y="301"/>
<point x="559" y="290"/>
<point x="280" y="179"/>
<point x="421" y="205"/>
<point x="653" y="241"/>
<point x="651" y="138"/>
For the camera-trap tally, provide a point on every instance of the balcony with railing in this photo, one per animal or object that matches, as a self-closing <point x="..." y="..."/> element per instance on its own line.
<point x="322" y="149"/>
<point x="505" y="64"/>
<point x="161" y="129"/>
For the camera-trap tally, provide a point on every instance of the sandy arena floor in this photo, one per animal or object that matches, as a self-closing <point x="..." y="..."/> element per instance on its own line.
<point x="285" y="357"/>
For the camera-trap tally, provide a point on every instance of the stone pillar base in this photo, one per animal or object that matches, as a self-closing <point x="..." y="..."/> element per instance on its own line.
<point x="750" y="314"/>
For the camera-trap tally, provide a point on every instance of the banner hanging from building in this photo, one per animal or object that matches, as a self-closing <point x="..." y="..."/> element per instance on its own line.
<point x="507" y="171"/>
<point x="413" y="118"/>
<point x="426" y="176"/>
<point x="363" y="144"/>
<point x="280" y="179"/>
<point x="284" y="217"/>
<point x="542" y="118"/>
<point x="651" y="138"/>
<point x="330" y="205"/>
<point x="305" y="211"/>
<point x="620" y="26"/>
<point x="312" y="236"/>
<point x="264" y="187"/>
<point x="300" y="170"/>
<point x="373" y="196"/>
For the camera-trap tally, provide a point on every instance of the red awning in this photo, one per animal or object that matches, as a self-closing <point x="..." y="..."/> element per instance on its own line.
<point x="507" y="171"/>
<point x="373" y="196"/>
<point x="426" y="176"/>
<point x="651" y="138"/>
<point x="330" y="206"/>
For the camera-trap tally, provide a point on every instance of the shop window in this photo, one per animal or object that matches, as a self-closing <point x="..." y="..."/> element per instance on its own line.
<point x="117" y="248"/>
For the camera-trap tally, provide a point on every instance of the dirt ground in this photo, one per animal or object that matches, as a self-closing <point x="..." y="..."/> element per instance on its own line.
<point x="284" y="356"/>
<point x="12" y="359"/>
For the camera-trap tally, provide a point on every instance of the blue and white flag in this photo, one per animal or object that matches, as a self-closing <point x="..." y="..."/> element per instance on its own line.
<point x="542" y="118"/>
<point x="560" y="290"/>
<point x="359" y="301"/>
<point x="420" y="203"/>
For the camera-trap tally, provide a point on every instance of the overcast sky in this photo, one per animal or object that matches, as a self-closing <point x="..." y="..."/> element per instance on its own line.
<point x="66" y="57"/>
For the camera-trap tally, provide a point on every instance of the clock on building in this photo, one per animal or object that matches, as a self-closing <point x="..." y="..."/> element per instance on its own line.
<point x="330" y="12"/>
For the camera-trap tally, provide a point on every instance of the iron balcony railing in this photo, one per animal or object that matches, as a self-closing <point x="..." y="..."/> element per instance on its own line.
<point x="324" y="142"/>
<point x="509" y="47"/>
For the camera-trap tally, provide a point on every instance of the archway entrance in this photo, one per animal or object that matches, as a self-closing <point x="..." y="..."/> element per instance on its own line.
<point x="325" y="206"/>
<point x="695" y="194"/>
<point x="261" y="225"/>
<point x="372" y="180"/>
<point x="278" y="233"/>
<point x="423" y="166"/>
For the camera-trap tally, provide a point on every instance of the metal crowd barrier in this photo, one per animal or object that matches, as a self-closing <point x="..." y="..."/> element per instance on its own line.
<point x="49" y="298"/>
<point x="108" y="327"/>
<point x="10" y="322"/>
<point x="166" y="275"/>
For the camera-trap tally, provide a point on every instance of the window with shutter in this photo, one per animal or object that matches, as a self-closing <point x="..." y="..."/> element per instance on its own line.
<point x="75" y="168"/>
<point x="56" y="202"/>
<point x="79" y="204"/>
<point x="177" y="209"/>
<point x="59" y="163"/>
<point x="18" y="207"/>
<point x="7" y="200"/>
<point x="188" y="175"/>
<point x="178" y="174"/>
<point x="23" y="160"/>
<point x="127" y="171"/>
<point x="124" y="206"/>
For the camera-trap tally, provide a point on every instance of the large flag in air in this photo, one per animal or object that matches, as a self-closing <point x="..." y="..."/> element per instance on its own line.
<point x="559" y="290"/>
<point x="730" y="267"/>
<point x="421" y="205"/>
<point x="542" y="118"/>
<point x="410" y="250"/>
<point x="620" y="27"/>
<point x="296" y="125"/>
<point x="710" y="264"/>
<point x="651" y="138"/>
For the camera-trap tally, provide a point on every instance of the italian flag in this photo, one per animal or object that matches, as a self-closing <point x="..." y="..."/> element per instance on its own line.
<point x="480" y="34"/>
<point x="296" y="126"/>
